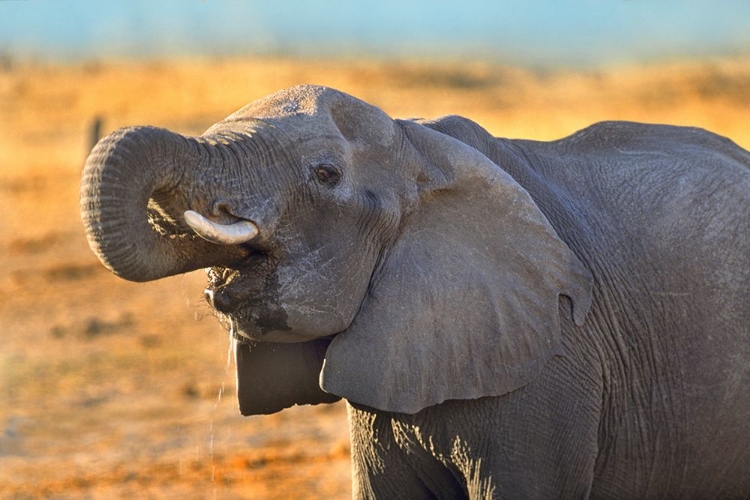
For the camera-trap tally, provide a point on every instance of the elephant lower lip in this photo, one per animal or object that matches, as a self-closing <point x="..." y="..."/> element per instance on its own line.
<point x="219" y="299"/>
<point x="255" y="264"/>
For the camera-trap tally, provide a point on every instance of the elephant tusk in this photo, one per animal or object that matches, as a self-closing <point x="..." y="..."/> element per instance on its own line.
<point x="223" y="234"/>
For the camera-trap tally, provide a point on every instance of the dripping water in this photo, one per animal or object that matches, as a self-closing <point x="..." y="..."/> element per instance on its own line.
<point x="231" y="354"/>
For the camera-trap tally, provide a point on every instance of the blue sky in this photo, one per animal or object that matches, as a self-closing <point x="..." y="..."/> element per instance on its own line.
<point x="531" y="32"/>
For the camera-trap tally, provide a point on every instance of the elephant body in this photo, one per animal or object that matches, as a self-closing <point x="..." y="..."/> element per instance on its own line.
<point x="649" y="400"/>
<point x="505" y="318"/>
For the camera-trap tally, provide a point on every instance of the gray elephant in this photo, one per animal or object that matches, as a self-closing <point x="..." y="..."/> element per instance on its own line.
<point x="506" y="318"/>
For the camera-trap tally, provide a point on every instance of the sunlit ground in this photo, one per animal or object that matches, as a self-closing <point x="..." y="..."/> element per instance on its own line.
<point x="112" y="389"/>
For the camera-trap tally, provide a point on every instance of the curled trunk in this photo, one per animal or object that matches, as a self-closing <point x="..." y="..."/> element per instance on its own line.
<point x="129" y="179"/>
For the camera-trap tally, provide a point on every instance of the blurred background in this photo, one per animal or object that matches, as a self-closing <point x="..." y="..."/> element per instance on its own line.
<point x="110" y="389"/>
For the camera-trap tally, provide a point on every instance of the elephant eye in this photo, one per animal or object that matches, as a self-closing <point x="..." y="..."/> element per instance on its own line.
<point x="327" y="174"/>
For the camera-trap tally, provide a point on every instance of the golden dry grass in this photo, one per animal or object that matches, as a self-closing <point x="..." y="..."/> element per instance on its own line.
<point x="113" y="389"/>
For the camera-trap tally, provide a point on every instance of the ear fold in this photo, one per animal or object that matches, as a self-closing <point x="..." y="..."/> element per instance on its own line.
<point x="465" y="304"/>
<point x="272" y="376"/>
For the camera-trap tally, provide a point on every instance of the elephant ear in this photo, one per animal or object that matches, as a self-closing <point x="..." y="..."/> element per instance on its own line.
<point x="272" y="376"/>
<point x="465" y="304"/>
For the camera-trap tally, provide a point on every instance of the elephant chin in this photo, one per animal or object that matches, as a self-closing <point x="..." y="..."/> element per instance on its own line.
<point x="282" y="337"/>
<point x="250" y="330"/>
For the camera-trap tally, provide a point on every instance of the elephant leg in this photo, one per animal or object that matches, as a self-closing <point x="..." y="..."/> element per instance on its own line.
<point x="538" y="442"/>
<point x="382" y="469"/>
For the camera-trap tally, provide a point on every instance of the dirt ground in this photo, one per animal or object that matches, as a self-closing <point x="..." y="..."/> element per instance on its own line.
<point x="110" y="389"/>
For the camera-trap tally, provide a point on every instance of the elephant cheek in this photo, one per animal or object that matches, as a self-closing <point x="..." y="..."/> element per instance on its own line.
<point x="298" y="305"/>
<point x="272" y="318"/>
<point x="268" y="318"/>
<point x="275" y="318"/>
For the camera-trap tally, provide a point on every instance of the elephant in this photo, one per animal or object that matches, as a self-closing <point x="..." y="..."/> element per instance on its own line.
<point x="505" y="318"/>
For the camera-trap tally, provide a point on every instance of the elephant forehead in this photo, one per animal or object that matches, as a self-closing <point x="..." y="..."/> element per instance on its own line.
<point x="310" y="112"/>
<point x="284" y="127"/>
<point x="303" y="100"/>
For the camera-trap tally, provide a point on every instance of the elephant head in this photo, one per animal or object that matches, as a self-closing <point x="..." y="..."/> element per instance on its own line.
<point x="380" y="260"/>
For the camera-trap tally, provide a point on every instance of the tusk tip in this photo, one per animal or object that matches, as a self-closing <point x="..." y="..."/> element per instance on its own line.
<point x="193" y="218"/>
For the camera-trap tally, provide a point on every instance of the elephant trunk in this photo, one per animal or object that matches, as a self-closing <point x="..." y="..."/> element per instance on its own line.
<point x="130" y="179"/>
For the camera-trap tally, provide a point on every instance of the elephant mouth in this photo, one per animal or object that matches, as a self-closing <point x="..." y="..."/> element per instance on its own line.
<point x="246" y="300"/>
<point x="230" y="289"/>
<point x="217" y="292"/>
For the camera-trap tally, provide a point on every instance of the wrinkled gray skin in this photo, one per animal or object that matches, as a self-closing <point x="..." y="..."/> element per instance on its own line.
<point x="506" y="318"/>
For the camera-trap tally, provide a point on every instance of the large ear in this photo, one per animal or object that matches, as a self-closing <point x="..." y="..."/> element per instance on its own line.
<point x="465" y="304"/>
<point x="271" y="376"/>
